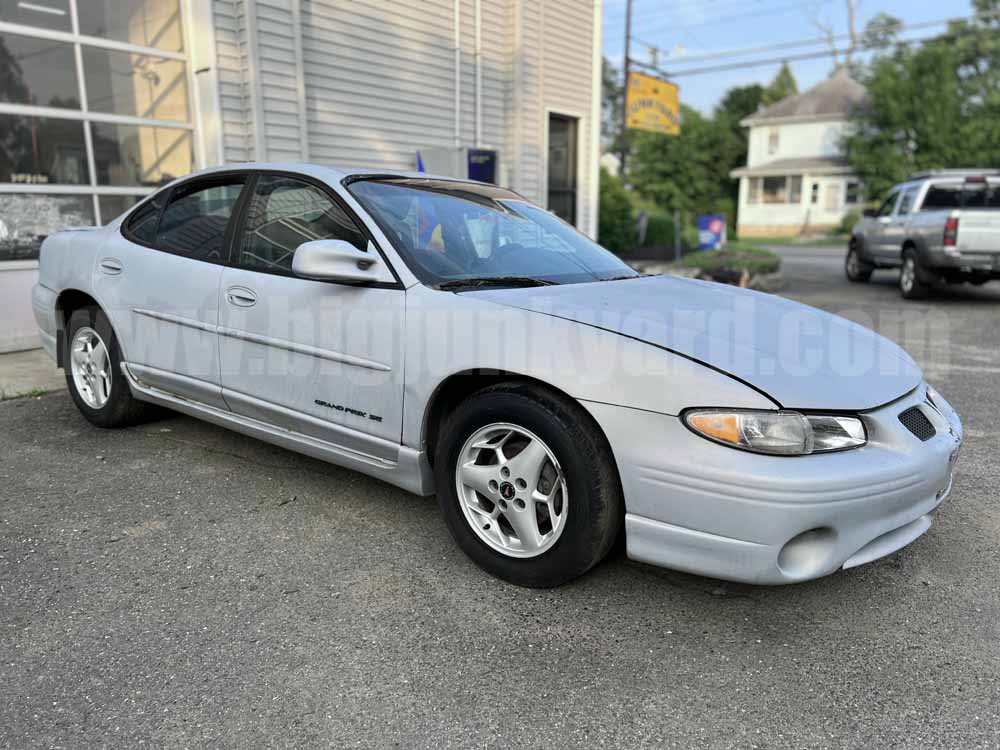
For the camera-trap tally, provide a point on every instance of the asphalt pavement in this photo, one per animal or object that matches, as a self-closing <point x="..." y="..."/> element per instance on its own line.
<point x="177" y="585"/>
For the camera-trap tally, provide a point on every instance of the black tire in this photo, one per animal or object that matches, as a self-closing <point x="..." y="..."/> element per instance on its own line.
<point x="595" y="506"/>
<point x="121" y="408"/>
<point x="911" y="276"/>
<point x="856" y="268"/>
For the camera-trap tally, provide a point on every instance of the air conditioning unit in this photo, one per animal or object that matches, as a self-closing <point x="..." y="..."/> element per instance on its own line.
<point x="480" y="164"/>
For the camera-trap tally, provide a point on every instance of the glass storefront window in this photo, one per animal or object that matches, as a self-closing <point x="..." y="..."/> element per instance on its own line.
<point x="134" y="155"/>
<point x="45" y="14"/>
<point x="124" y="83"/>
<point x="26" y="220"/>
<point x="113" y="206"/>
<point x="37" y="151"/>
<point x="149" y="23"/>
<point x="38" y="72"/>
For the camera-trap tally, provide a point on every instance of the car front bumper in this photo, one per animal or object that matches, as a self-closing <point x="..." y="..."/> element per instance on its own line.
<point x="705" y="508"/>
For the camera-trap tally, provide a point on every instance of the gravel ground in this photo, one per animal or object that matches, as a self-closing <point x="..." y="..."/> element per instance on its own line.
<point x="177" y="585"/>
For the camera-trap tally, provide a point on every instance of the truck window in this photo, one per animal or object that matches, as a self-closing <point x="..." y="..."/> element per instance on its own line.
<point x="906" y="203"/>
<point x="967" y="195"/>
<point x="886" y="208"/>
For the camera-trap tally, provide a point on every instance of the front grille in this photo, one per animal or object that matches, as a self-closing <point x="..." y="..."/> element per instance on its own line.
<point x="914" y="420"/>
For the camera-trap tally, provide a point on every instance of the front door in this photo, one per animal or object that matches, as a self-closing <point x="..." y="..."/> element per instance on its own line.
<point x="318" y="358"/>
<point x="875" y="228"/>
<point x="158" y="279"/>
<point x="895" y="231"/>
<point x="562" y="167"/>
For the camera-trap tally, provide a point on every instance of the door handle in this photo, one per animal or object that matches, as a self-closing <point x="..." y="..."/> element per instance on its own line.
<point x="111" y="266"/>
<point x="241" y="296"/>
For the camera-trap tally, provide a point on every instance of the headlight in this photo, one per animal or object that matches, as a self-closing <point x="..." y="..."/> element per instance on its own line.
<point x="781" y="433"/>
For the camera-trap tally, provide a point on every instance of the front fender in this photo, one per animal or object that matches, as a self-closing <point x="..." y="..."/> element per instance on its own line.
<point x="447" y="334"/>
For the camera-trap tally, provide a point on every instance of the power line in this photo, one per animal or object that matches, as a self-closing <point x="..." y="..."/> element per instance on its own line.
<point x="723" y="54"/>
<point x="792" y="58"/>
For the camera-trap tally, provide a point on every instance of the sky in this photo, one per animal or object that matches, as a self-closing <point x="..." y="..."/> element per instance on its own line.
<point x="689" y="28"/>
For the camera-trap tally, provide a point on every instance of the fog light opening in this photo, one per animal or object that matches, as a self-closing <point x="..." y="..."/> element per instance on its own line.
<point x="807" y="554"/>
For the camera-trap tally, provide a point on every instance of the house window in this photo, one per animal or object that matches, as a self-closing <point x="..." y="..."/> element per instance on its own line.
<point x="116" y="123"/>
<point x="786" y="190"/>
<point x="814" y="194"/>
<point x="773" y="141"/>
<point x="853" y="195"/>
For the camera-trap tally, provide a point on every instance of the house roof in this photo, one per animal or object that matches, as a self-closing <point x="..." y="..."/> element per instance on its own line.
<point x="829" y="100"/>
<point x="816" y="165"/>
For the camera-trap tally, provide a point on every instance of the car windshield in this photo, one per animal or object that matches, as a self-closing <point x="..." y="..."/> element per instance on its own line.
<point x="455" y="234"/>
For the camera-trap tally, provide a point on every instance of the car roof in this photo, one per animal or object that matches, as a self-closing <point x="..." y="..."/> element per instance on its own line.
<point x="327" y="172"/>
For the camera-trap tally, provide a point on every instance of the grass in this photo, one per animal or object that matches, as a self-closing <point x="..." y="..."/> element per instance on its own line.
<point x="737" y="256"/>
<point x="33" y="393"/>
<point x="830" y="240"/>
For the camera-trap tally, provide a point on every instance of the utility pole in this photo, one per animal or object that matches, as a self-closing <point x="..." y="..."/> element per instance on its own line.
<point x="627" y="65"/>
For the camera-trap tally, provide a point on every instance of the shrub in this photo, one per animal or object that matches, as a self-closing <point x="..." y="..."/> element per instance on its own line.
<point x="851" y="218"/>
<point x="736" y="257"/>
<point x="660" y="232"/>
<point x="615" y="222"/>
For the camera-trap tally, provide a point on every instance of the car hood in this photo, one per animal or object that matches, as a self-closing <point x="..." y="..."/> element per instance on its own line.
<point x="800" y="357"/>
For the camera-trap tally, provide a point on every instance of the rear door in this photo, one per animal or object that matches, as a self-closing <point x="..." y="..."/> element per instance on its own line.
<point x="320" y="358"/>
<point x="159" y="278"/>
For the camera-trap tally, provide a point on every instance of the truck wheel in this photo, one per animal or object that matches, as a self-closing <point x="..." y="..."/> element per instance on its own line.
<point x="527" y="485"/>
<point x="858" y="270"/>
<point x="93" y="372"/>
<point x="911" y="285"/>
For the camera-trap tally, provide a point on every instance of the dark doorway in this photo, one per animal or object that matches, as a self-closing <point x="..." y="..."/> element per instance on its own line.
<point x="562" y="167"/>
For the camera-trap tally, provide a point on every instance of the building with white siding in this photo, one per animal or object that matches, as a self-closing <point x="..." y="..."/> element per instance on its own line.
<point x="107" y="99"/>
<point x="797" y="180"/>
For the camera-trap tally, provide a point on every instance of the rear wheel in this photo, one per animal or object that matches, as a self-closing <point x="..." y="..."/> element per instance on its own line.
<point x="856" y="269"/>
<point x="911" y="285"/>
<point x="527" y="485"/>
<point x="93" y="372"/>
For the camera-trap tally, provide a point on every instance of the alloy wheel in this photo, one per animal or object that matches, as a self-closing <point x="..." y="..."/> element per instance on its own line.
<point x="90" y="365"/>
<point x="853" y="267"/>
<point x="908" y="275"/>
<point x="512" y="490"/>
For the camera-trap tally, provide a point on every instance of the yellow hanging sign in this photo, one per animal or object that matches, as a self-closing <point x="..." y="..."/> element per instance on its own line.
<point x="653" y="105"/>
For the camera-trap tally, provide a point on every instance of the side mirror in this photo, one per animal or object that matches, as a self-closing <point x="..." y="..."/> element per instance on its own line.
<point x="339" y="260"/>
<point x="870" y="213"/>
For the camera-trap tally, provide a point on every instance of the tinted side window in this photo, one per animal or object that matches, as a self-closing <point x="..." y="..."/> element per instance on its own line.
<point x="285" y="213"/>
<point x="194" y="223"/>
<point x="942" y="196"/>
<point x="886" y="208"/>
<point x="141" y="225"/>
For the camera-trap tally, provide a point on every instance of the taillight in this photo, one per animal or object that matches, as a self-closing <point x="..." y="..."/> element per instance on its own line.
<point x="951" y="231"/>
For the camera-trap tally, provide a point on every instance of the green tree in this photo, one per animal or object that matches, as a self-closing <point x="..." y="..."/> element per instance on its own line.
<point x="930" y="107"/>
<point x="737" y="104"/>
<point x="683" y="172"/>
<point x="783" y="85"/>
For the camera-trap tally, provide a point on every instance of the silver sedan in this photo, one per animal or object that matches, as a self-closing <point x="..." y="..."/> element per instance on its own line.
<point x="451" y="338"/>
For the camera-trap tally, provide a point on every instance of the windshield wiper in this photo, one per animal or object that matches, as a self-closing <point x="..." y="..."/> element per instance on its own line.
<point x="488" y="281"/>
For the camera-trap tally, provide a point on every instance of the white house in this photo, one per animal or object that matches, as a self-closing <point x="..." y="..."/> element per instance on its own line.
<point x="796" y="180"/>
<point x="110" y="98"/>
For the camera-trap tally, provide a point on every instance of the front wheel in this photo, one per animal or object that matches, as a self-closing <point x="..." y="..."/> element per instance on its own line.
<point x="857" y="270"/>
<point x="911" y="286"/>
<point x="527" y="485"/>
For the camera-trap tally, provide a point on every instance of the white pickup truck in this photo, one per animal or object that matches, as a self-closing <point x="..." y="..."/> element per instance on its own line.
<point x="942" y="225"/>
